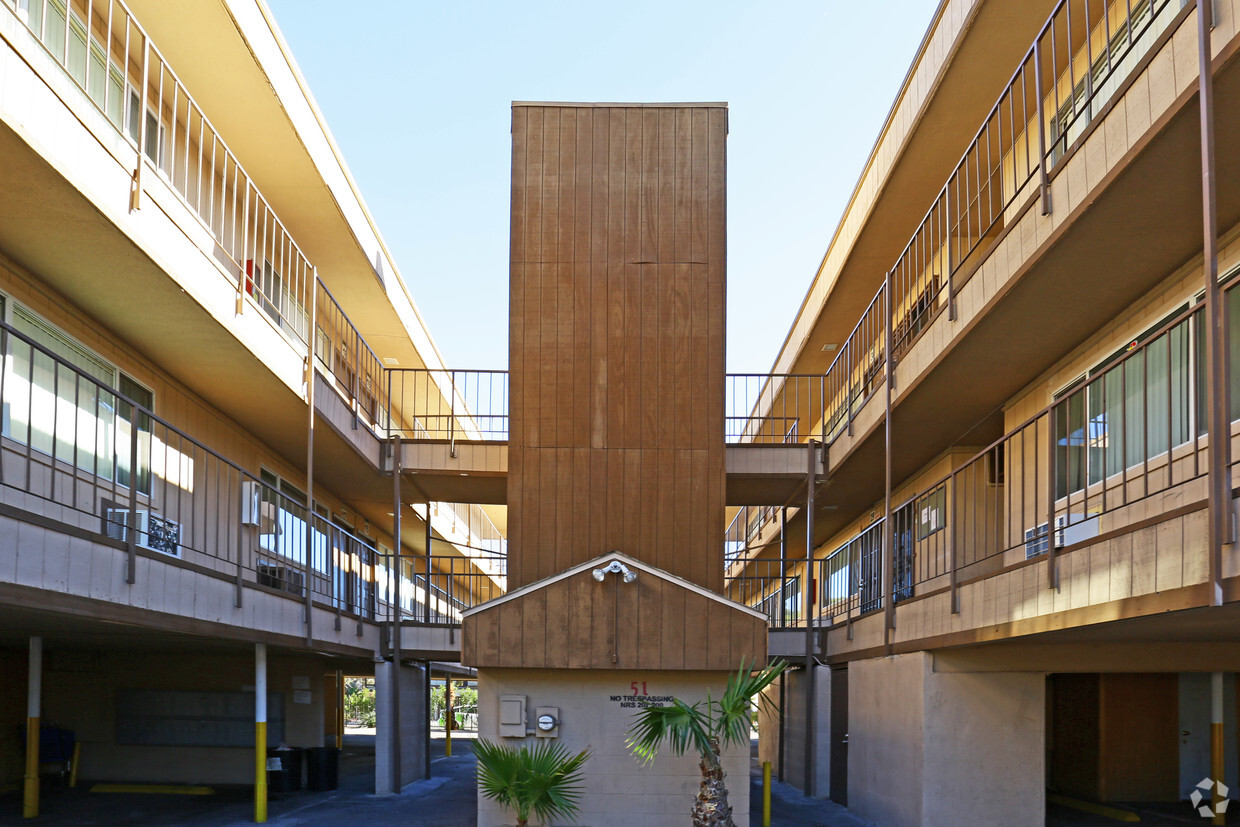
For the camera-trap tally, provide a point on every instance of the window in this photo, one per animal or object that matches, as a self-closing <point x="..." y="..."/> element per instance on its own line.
<point x="284" y="533"/>
<point x="930" y="512"/>
<point x="65" y="410"/>
<point x="154" y="129"/>
<point x="1123" y="413"/>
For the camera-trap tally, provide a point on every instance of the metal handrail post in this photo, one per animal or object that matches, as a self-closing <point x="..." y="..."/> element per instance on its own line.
<point x="1044" y="180"/>
<point x="452" y="416"/>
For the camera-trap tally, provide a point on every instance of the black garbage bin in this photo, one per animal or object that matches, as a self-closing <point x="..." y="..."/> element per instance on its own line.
<point x="322" y="768"/>
<point x="287" y="778"/>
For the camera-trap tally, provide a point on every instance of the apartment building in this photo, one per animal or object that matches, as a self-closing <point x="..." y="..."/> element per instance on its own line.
<point x="1010" y="574"/>
<point x="208" y="356"/>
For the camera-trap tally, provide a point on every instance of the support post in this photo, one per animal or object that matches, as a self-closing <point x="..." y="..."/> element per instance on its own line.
<point x="947" y="241"/>
<point x="427" y="710"/>
<point x="135" y="192"/>
<point x="339" y="709"/>
<point x="260" y="733"/>
<point x="888" y="567"/>
<point x="783" y="721"/>
<point x="429" y="541"/>
<point x="1219" y="449"/>
<point x="1052" y="553"/>
<point x="131" y="533"/>
<point x="34" y="694"/>
<point x="783" y="564"/>
<point x="447" y="715"/>
<point x="394" y="593"/>
<point x="393" y="687"/>
<point x="955" y="554"/>
<point x="809" y="624"/>
<point x="1217" y="742"/>
<point x="310" y="515"/>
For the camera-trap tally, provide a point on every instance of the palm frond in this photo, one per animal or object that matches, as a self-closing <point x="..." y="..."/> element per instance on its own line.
<point x="553" y="779"/>
<point x="544" y="780"/>
<point x="499" y="770"/>
<point x="732" y="713"/>
<point x="680" y="725"/>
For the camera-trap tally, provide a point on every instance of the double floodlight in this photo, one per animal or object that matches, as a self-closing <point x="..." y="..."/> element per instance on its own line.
<point x="615" y="567"/>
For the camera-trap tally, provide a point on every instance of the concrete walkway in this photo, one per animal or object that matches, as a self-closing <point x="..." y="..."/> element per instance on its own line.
<point x="447" y="799"/>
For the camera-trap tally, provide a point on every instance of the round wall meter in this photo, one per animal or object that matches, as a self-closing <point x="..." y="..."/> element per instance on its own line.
<point x="547" y="722"/>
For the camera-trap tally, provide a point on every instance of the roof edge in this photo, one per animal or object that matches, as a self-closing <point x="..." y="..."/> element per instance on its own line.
<point x="607" y="558"/>
<point x="623" y="105"/>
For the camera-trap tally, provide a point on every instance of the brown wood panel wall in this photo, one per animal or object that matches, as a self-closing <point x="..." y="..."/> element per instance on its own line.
<point x="617" y="338"/>
<point x="579" y="623"/>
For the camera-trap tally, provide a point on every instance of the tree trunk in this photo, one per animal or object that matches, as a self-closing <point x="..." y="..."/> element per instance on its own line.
<point x="711" y="808"/>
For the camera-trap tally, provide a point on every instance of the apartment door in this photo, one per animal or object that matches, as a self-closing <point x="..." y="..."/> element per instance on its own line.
<point x="839" y="735"/>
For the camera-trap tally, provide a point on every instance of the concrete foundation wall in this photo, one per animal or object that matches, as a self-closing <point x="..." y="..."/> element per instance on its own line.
<point x="80" y="693"/>
<point x="411" y="727"/>
<point x="930" y="748"/>
<point x="795" y="730"/>
<point x="617" y="789"/>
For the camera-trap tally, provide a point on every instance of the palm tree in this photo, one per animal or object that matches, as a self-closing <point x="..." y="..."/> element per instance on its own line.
<point x="544" y="780"/>
<point x="710" y="728"/>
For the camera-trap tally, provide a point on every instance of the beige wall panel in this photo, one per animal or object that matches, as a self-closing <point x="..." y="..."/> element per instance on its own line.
<point x="617" y="789"/>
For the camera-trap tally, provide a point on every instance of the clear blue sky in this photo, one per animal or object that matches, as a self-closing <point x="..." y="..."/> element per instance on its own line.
<point x="417" y="95"/>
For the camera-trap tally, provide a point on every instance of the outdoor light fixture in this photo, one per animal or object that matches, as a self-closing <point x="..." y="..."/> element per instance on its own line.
<point x="615" y="567"/>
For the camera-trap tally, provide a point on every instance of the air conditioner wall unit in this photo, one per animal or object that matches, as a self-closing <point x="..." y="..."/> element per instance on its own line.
<point x="154" y="532"/>
<point x="284" y="578"/>
<point x="1070" y="529"/>
<point x="251" y="503"/>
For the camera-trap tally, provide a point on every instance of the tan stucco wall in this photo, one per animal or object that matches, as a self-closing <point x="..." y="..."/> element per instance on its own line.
<point x="929" y="748"/>
<point x="617" y="789"/>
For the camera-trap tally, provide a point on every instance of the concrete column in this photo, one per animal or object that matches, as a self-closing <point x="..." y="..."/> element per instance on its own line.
<point x="1217" y="769"/>
<point x="793" y="745"/>
<point x="401" y="728"/>
<point x="339" y="709"/>
<point x="260" y="733"/>
<point x="928" y="748"/>
<point x="34" y="693"/>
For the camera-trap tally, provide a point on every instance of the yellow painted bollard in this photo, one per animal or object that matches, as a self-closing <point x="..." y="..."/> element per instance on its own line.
<point x="77" y="753"/>
<point x="260" y="772"/>
<point x="766" y="794"/>
<point x="30" y="795"/>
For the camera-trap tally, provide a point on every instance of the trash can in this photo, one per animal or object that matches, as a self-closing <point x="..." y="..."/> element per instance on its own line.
<point x="284" y="769"/>
<point x="322" y="769"/>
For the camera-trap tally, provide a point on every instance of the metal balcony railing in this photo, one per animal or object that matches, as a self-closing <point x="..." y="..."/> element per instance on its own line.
<point x="75" y="449"/>
<point x="356" y="372"/>
<point x="1081" y="57"/>
<point x="449" y="405"/>
<point x="1131" y="429"/>
<point x="111" y="58"/>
